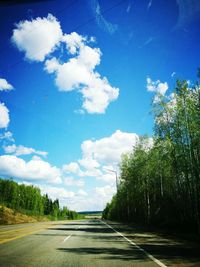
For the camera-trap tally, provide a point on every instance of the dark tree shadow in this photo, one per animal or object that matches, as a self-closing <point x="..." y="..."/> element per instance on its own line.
<point x="109" y="253"/>
<point x="159" y="246"/>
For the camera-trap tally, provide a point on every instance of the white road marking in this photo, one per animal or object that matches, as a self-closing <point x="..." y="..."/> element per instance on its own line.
<point x="67" y="238"/>
<point x="138" y="247"/>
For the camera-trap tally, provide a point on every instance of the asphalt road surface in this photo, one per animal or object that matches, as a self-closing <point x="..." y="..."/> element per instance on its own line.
<point x="90" y="243"/>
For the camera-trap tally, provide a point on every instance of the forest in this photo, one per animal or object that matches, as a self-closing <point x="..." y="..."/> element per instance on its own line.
<point x="28" y="200"/>
<point x="159" y="181"/>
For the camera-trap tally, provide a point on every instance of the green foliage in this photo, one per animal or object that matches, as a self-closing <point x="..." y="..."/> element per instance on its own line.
<point x="161" y="185"/>
<point x="28" y="199"/>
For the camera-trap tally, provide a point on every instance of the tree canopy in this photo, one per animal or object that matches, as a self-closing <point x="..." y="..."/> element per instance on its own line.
<point x="160" y="184"/>
<point x="29" y="200"/>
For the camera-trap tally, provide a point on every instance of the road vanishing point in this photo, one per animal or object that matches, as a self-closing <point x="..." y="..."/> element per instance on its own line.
<point x="90" y="243"/>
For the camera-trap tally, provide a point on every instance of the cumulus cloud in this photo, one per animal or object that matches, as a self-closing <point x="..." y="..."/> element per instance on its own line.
<point x="85" y="171"/>
<point x="4" y="85"/>
<point x="70" y="181"/>
<point x="156" y="86"/>
<point x="57" y="193"/>
<point x="41" y="36"/>
<point x="88" y="163"/>
<point x="22" y="150"/>
<point x="73" y="42"/>
<point x="4" y="116"/>
<point x="98" y="95"/>
<point x="79" y="74"/>
<point x="38" y="37"/>
<point x="72" y="167"/>
<point x="110" y="149"/>
<point x="108" y="177"/>
<point x="101" y="156"/>
<point x="96" y="199"/>
<point x="35" y="169"/>
<point x="105" y="192"/>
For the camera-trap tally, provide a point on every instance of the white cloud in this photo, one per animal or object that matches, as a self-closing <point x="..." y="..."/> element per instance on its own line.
<point x="83" y="203"/>
<point x="88" y="163"/>
<point x="86" y="170"/>
<point x="38" y="37"/>
<point x="52" y="65"/>
<point x="22" y="150"/>
<point x="156" y="86"/>
<point x="35" y="169"/>
<point x="4" y="85"/>
<point x="70" y="75"/>
<point x="96" y="199"/>
<point x="81" y="192"/>
<point x="102" y="155"/>
<point x="7" y="136"/>
<point x="108" y="177"/>
<point x="57" y="193"/>
<point x="79" y="74"/>
<point x="105" y="192"/>
<point x="98" y="94"/>
<point x="110" y="149"/>
<point x="70" y="181"/>
<point x="4" y="116"/>
<point x="73" y="41"/>
<point x="91" y="172"/>
<point x="72" y="167"/>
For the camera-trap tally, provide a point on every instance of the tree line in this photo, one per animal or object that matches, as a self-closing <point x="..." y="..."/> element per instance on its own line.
<point x="29" y="200"/>
<point x="160" y="183"/>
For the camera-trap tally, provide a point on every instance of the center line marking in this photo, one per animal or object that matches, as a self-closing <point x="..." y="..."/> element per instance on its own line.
<point x="138" y="247"/>
<point x="67" y="238"/>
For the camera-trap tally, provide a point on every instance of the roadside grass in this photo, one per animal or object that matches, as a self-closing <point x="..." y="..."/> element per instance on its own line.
<point x="11" y="216"/>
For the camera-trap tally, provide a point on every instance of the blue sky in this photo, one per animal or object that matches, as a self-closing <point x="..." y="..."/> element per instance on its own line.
<point x="77" y="80"/>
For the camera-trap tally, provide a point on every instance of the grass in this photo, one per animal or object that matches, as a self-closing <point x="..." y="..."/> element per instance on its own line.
<point x="10" y="216"/>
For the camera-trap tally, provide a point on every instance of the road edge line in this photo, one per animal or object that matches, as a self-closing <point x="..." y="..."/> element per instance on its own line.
<point x="137" y="246"/>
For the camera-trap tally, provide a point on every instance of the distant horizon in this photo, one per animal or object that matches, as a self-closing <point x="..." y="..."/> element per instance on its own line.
<point x="90" y="211"/>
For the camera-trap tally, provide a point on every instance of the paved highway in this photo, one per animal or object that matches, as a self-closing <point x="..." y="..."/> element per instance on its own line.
<point x="90" y="243"/>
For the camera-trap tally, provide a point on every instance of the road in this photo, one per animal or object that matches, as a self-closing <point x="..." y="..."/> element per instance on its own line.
<point x="90" y="243"/>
